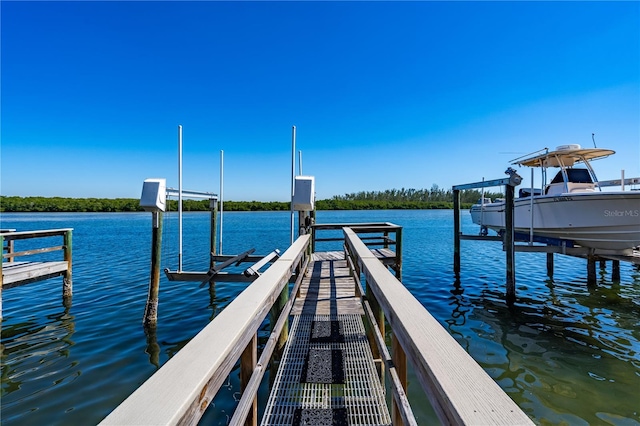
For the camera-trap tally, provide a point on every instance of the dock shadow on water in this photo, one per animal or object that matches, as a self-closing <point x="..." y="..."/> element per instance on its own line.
<point x="566" y="352"/>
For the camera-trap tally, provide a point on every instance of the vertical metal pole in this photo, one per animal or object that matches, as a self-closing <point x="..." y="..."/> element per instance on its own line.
<point x="221" y="194"/>
<point x="300" y="162"/>
<point x="456" y="231"/>
<point x="622" y="179"/>
<point x="531" y="210"/>
<point x="509" y="244"/>
<point x="180" y="198"/>
<point x="151" y="309"/>
<point x="293" y="175"/>
<point x="213" y="206"/>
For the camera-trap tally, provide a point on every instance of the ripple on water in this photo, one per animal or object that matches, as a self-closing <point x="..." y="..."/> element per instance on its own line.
<point x="566" y="352"/>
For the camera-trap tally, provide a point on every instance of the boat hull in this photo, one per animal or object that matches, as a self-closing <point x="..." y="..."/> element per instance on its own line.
<point x="608" y="221"/>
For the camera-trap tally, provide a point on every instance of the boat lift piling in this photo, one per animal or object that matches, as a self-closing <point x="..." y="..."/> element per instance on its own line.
<point x="509" y="236"/>
<point x="154" y="199"/>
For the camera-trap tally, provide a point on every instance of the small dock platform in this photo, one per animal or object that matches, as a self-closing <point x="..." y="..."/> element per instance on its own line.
<point x="15" y="273"/>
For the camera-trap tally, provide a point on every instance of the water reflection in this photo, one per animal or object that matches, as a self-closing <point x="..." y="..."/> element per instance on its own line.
<point x="153" y="348"/>
<point x="550" y="349"/>
<point x="32" y="351"/>
<point x="460" y="307"/>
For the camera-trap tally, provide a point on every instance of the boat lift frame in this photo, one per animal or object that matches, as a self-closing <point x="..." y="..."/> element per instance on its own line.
<point x="508" y="238"/>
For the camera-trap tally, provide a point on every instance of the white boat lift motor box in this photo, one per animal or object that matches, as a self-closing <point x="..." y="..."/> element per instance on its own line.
<point x="304" y="193"/>
<point x="154" y="195"/>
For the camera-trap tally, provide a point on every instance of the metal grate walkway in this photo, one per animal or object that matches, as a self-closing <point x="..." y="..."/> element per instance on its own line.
<point x="327" y="375"/>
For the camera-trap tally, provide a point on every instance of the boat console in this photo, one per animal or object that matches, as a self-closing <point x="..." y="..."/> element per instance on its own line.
<point x="578" y="180"/>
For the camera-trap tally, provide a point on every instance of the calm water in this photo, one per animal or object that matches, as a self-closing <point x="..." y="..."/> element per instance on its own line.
<point x="567" y="353"/>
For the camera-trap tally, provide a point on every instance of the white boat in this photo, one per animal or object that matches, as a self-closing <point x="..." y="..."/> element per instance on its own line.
<point x="573" y="207"/>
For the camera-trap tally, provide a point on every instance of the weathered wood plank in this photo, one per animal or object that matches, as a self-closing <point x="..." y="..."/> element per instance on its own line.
<point x="23" y="235"/>
<point x="460" y="391"/>
<point x="223" y="277"/>
<point x="34" y="251"/>
<point x="328" y="288"/>
<point x="16" y="273"/>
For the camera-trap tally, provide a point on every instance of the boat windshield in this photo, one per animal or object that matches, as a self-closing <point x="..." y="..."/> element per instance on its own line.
<point x="574" y="175"/>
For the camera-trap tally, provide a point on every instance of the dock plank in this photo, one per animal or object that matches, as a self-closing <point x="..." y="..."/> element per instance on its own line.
<point x="17" y="273"/>
<point x="328" y="289"/>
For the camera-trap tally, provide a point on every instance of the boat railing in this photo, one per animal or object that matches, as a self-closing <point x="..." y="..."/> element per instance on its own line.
<point x="622" y="182"/>
<point x="459" y="390"/>
<point x="182" y="389"/>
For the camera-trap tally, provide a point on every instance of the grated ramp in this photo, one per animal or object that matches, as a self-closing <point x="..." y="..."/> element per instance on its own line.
<point x="360" y="400"/>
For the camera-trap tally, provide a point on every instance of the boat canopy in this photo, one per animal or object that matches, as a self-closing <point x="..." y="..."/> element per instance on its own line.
<point x="564" y="156"/>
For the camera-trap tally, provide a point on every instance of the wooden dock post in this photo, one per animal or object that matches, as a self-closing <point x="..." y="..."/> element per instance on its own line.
<point x="67" y="278"/>
<point x="550" y="265"/>
<point x="151" y="309"/>
<point x="591" y="270"/>
<point x="456" y="231"/>
<point x="400" y="363"/>
<point x="508" y="240"/>
<point x="378" y="315"/>
<point x="398" y="264"/>
<point x="615" y="270"/>
<point x="248" y="362"/>
<point x="276" y="310"/>
<point x="509" y="248"/>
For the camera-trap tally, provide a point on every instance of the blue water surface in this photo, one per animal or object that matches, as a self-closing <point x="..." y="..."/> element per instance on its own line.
<point x="567" y="352"/>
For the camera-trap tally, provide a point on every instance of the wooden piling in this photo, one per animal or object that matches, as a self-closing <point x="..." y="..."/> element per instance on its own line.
<point x="509" y="243"/>
<point x="591" y="270"/>
<point x="550" y="265"/>
<point x="151" y="309"/>
<point x="398" y="264"/>
<point x="615" y="270"/>
<point x="67" y="278"/>
<point x="456" y="231"/>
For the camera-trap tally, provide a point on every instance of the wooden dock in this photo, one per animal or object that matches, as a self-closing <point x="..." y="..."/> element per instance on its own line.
<point x="14" y="273"/>
<point x="334" y="353"/>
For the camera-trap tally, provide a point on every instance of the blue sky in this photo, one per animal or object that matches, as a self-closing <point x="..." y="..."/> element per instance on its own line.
<point x="383" y="94"/>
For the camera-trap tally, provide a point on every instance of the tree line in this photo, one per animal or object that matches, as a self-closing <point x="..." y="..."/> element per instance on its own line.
<point x="434" y="198"/>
